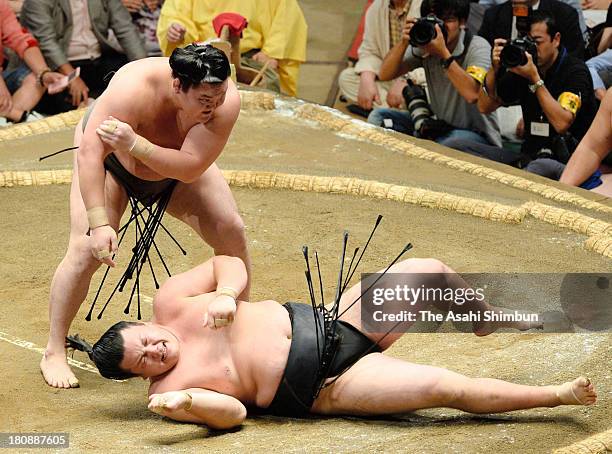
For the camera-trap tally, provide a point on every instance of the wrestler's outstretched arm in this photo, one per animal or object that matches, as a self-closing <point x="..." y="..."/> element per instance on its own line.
<point x="201" y="147"/>
<point x="222" y="274"/>
<point x="200" y="406"/>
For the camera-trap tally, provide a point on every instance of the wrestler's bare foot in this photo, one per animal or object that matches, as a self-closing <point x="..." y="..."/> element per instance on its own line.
<point x="56" y="372"/>
<point x="484" y="327"/>
<point x="577" y="392"/>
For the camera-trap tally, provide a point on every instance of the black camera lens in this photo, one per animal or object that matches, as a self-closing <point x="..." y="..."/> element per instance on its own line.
<point x="422" y="33"/>
<point x="424" y="30"/>
<point x="512" y="56"/>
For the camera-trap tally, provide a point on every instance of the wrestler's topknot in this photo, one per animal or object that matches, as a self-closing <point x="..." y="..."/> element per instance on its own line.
<point x="108" y="352"/>
<point x="196" y="64"/>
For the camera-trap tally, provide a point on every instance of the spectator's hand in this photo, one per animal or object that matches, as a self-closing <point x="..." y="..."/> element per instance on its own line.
<point x="600" y="93"/>
<point x="152" y="4"/>
<point x="51" y="78"/>
<point x="263" y="58"/>
<point x="410" y="21"/>
<point x="103" y="244"/>
<point x="132" y="6"/>
<point x="176" y="33"/>
<point x="368" y="94"/>
<point x="169" y="402"/>
<point x="6" y="100"/>
<point x="221" y="312"/>
<point x="119" y="135"/>
<point x="528" y="71"/>
<point x="437" y="46"/>
<point x="520" y="129"/>
<point x="595" y="4"/>
<point x="78" y="91"/>
<point x="394" y="95"/>
<point x="498" y="46"/>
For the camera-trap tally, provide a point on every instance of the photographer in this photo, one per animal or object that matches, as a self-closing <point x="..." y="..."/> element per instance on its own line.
<point x="455" y="62"/>
<point x="555" y="92"/>
<point x="511" y="20"/>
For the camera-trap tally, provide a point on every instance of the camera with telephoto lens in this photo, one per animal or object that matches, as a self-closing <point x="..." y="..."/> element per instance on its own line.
<point x="513" y="53"/>
<point x="424" y="30"/>
<point x="417" y="105"/>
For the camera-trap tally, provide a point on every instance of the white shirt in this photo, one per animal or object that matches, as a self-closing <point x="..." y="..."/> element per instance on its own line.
<point x="514" y="30"/>
<point x="83" y="43"/>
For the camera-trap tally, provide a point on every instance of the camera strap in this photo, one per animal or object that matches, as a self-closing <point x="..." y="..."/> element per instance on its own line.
<point x="467" y="40"/>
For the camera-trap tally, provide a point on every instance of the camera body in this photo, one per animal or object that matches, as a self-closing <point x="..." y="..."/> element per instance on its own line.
<point x="424" y="30"/>
<point x="513" y="53"/>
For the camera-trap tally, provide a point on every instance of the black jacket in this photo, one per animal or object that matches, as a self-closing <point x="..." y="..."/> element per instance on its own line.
<point x="497" y="23"/>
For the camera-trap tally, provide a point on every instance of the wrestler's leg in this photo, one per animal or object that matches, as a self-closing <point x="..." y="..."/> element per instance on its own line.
<point x="378" y="384"/>
<point x="431" y="273"/>
<point x="207" y="206"/>
<point x="71" y="280"/>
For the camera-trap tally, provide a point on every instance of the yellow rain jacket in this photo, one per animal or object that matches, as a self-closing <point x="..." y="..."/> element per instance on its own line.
<point x="277" y="27"/>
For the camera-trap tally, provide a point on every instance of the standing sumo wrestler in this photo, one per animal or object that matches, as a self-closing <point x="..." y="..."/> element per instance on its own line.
<point x="159" y="126"/>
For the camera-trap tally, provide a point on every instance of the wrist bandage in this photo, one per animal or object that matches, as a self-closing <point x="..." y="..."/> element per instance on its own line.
<point x="97" y="217"/>
<point x="190" y="404"/>
<point x="142" y="148"/>
<point x="228" y="291"/>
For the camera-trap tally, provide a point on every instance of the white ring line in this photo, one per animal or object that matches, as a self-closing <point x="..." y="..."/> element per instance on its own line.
<point x="33" y="347"/>
<point x="73" y="362"/>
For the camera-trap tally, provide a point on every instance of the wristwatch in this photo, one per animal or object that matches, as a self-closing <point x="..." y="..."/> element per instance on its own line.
<point x="534" y="87"/>
<point x="446" y="63"/>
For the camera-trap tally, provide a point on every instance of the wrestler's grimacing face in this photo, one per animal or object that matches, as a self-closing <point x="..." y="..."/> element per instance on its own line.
<point x="149" y="350"/>
<point x="202" y="100"/>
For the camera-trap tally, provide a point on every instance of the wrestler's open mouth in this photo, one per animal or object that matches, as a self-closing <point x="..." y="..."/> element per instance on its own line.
<point x="163" y="357"/>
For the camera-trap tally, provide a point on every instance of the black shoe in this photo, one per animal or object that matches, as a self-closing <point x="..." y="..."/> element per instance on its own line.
<point x="358" y="110"/>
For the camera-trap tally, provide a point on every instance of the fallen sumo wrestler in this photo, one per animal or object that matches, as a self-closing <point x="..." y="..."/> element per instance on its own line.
<point x="209" y="356"/>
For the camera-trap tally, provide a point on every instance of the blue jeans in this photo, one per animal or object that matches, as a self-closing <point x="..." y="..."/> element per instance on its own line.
<point x="14" y="78"/>
<point x="400" y="121"/>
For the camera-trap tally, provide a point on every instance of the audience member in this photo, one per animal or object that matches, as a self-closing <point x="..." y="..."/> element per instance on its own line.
<point x="16" y="6"/>
<point x="595" y="4"/>
<point x="556" y="97"/>
<point x="500" y="21"/>
<point x="75" y="33"/>
<point x="600" y="66"/>
<point x="276" y="32"/>
<point x="455" y="63"/>
<point x="573" y="3"/>
<point x="21" y="85"/>
<point x="361" y="84"/>
<point x="145" y="16"/>
<point x="593" y="153"/>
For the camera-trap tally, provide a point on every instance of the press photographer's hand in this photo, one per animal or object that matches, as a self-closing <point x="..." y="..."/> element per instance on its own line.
<point x="498" y="46"/>
<point x="528" y="71"/>
<point x="410" y="21"/>
<point x="437" y="46"/>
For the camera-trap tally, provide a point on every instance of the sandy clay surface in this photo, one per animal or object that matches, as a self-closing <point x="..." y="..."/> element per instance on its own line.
<point x="111" y="416"/>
